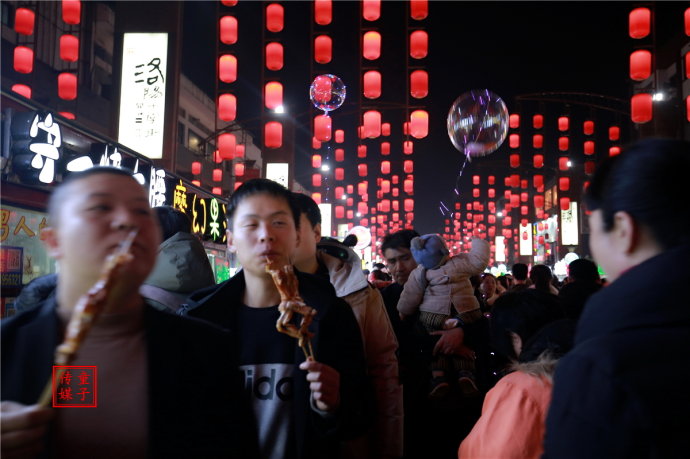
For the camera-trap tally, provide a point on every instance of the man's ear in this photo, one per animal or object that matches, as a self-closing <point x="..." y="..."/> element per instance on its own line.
<point x="317" y="232"/>
<point x="50" y="241"/>
<point x="230" y="242"/>
<point x="626" y="232"/>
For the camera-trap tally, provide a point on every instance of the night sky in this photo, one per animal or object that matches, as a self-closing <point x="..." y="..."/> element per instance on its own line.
<point x="510" y="48"/>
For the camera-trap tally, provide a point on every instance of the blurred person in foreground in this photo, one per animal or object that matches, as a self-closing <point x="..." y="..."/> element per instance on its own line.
<point x="622" y="392"/>
<point x="166" y="385"/>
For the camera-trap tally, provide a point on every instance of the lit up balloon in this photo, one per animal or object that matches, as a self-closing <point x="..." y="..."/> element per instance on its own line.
<point x="327" y="92"/>
<point x="477" y="123"/>
<point x="363" y="236"/>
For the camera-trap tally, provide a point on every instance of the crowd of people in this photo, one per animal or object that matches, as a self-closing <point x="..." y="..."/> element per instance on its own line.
<point x="428" y="355"/>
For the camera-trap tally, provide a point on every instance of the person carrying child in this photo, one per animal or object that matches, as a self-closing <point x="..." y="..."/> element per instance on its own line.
<point x="440" y="289"/>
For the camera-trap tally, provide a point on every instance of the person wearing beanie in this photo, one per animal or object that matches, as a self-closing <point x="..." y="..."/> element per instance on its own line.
<point x="441" y="291"/>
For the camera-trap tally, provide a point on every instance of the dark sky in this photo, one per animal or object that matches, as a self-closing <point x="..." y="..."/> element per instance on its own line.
<point x="510" y="48"/>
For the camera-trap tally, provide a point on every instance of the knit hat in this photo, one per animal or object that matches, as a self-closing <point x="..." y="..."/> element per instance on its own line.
<point x="429" y="250"/>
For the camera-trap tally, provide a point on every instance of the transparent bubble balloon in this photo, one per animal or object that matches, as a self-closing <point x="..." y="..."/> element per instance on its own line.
<point x="327" y="92"/>
<point x="477" y="123"/>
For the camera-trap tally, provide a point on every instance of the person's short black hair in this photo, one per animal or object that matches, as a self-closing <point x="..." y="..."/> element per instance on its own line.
<point x="583" y="269"/>
<point x="541" y="276"/>
<point x="262" y="186"/>
<point x="61" y="191"/>
<point x="309" y="207"/>
<point x="520" y="271"/>
<point x="399" y="239"/>
<point x="172" y="221"/>
<point x="646" y="180"/>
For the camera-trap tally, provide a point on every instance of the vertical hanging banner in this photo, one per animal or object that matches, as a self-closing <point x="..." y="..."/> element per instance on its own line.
<point x="142" y="92"/>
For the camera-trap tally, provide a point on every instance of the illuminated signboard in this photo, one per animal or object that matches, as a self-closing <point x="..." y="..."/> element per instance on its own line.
<point x="37" y="146"/>
<point x="569" y="233"/>
<point x="207" y="214"/>
<point x="526" y="239"/>
<point x="142" y="93"/>
<point x="157" y="187"/>
<point x="278" y="172"/>
<point x="326" y="220"/>
<point x="500" y="254"/>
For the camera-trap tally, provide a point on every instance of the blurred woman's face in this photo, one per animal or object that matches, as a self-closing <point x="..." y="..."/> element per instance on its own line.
<point x="488" y="286"/>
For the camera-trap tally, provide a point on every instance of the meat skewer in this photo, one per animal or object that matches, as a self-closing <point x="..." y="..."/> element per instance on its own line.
<point x="87" y="310"/>
<point x="291" y="303"/>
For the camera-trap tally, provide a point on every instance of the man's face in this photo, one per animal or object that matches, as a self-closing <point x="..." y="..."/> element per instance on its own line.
<point x="262" y="228"/>
<point x="98" y="212"/>
<point x="400" y="263"/>
<point x="308" y="238"/>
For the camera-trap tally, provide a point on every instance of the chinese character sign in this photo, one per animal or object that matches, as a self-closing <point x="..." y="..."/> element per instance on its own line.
<point x="47" y="140"/>
<point x="75" y="387"/>
<point x="157" y="187"/>
<point x="142" y="100"/>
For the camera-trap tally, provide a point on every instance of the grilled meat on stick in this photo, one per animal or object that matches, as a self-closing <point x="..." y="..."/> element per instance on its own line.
<point x="291" y="303"/>
<point x="88" y="308"/>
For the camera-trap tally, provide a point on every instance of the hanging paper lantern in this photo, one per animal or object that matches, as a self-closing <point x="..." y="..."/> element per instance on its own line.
<point x="316" y="161"/>
<point x="419" y="44"/>
<point x="71" y="11"/>
<point x="589" y="147"/>
<point x="239" y="151"/>
<point x="228" y="30"/>
<point x="564" y="183"/>
<point x="476" y="180"/>
<point x="339" y="136"/>
<point x="196" y="167"/>
<point x="408" y="186"/>
<point x="339" y="154"/>
<point x="386" y="129"/>
<point x="538" y="121"/>
<point x="475" y="192"/>
<point x="362" y="169"/>
<point x="408" y="147"/>
<point x="564" y="203"/>
<point x="588" y="127"/>
<point x="491" y="180"/>
<point x="385" y="167"/>
<point x="419" y="124"/>
<point x="339" y="192"/>
<point x="589" y="167"/>
<point x="273" y="95"/>
<point x="316" y="179"/>
<point x="323" y="49"/>
<point x="614" y="133"/>
<point x="613" y="151"/>
<point x="641" y="108"/>
<point x="514" y="200"/>
<point x="640" y="65"/>
<point x="362" y="208"/>
<point x="274" y="56"/>
<point x="216" y="190"/>
<point x="229" y="2"/>
<point x="340" y="175"/>
<point x="315" y="144"/>
<point x="537" y="141"/>
<point x="687" y="65"/>
<point x="639" y="22"/>
<point x="524" y="197"/>
<point x="322" y="128"/>
<point x="323" y="12"/>
<point x="408" y="166"/>
<point x="217" y="175"/>
<point x="538" y="200"/>
<point x="196" y="183"/>
<point x="67" y="86"/>
<point x="514" y="160"/>
<point x="361" y="151"/>
<point x="273" y="134"/>
<point x="419" y="9"/>
<point x="406" y="128"/>
<point x="419" y="84"/>
<point x="23" y="59"/>
<point x="227" y="107"/>
<point x="563" y="123"/>
<point x="69" y="48"/>
<point x="386" y="186"/>
<point x="371" y="45"/>
<point x="515" y="180"/>
<point x="514" y="140"/>
<point x="274" y="17"/>
<point x="385" y="148"/>
<point x="339" y="212"/>
<point x="24" y="20"/>
<point x="514" y="121"/>
<point x="239" y="169"/>
<point x="492" y="193"/>
<point x="687" y="22"/>
<point x="372" y="84"/>
<point x="227" y="68"/>
<point x="226" y="145"/>
<point x="563" y="163"/>
<point x="372" y="124"/>
<point x="563" y="143"/>
<point x="22" y="89"/>
<point x="216" y="157"/>
<point x="371" y="9"/>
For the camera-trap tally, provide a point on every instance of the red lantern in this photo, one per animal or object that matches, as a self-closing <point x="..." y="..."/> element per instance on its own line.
<point x="589" y="147"/>
<point x="386" y="186"/>
<point x="475" y="192"/>
<point x="217" y="175"/>
<point x="589" y="167"/>
<point x="639" y="22"/>
<point x="492" y="193"/>
<point x="563" y="163"/>
<point x="514" y="121"/>
<point x="71" y="11"/>
<point x="196" y="183"/>
<point x="514" y="200"/>
<point x="588" y="127"/>
<point x="339" y="136"/>
<point x="372" y="124"/>
<point x="316" y="161"/>
<point x="491" y="180"/>
<point x="687" y="22"/>
<point x="274" y="56"/>
<point x="385" y="148"/>
<point x="640" y="65"/>
<point x="538" y="121"/>
<point x="419" y="84"/>
<point x="515" y="180"/>
<point x="227" y="107"/>
<point x="386" y="129"/>
<point x="514" y="160"/>
<point x="538" y="200"/>
<point x="371" y="9"/>
<point x="408" y="147"/>
<point x="641" y="108"/>
<point x="563" y="123"/>
<point x="419" y="9"/>
<point x="322" y="128"/>
<point x="229" y="2"/>
<point x="273" y="134"/>
<point x="316" y="197"/>
<point x="687" y="65"/>
<point x="228" y="30"/>
<point x="564" y="183"/>
<point x="239" y="169"/>
<point x="196" y="167"/>
<point x="419" y="124"/>
<point x="23" y="59"/>
<point x="339" y="192"/>
<point x="323" y="49"/>
<point x="227" y="68"/>
<point x="316" y="180"/>
<point x="514" y="140"/>
<point x="339" y="154"/>
<point x="419" y="44"/>
<point x="22" y="89"/>
<point x="537" y="141"/>
<point x="614" y="133"/>
<point x="323" y="12"/>
<point x="408" y="166"/>
<point x="476" y="180"/>
<point x="361" y="151"/>
<point x="273" y="95"/>
<point x="339" y="212"/>
<point x="563" y="143"/>
<point x="406" y="128"/>
<point x="524" y="197"/>
<point x="408" y="205"/>
<point x="361" y="188"/>
<point x="239" y="151"/>
<point x="408" y="186"/>
<point x="362" y="208"/>
<point x="371" y="45"/>
<point x="226" y="145"/>
<point x="67" y="86"/>
<point x="216" y="190"/>
<point x="564" y="203"/>
<point x="274" y="17"/>
<point x="216" y="157"/>
<point x="340" y="174"/>
<point x="362" y="170"/>
<point x="372" y="84"/>
<point x="24" y="20"/>
<point x="385" y="167"/>
<point x="613" y="151"/>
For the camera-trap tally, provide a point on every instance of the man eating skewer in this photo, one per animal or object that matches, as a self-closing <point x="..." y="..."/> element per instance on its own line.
<point x="302" y="408"/>
<point x="165" y="383"/>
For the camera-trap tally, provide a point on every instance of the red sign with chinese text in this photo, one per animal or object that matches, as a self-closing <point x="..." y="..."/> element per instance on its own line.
<point x="74" y="386"/>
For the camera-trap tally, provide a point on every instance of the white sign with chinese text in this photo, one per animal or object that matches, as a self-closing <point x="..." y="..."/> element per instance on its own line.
<point x="569" y="233"/>
<point x="526" y="239"/>
<point x="142" y="93"/>
<point x="278" y="172"/>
